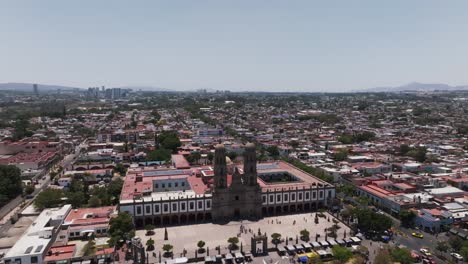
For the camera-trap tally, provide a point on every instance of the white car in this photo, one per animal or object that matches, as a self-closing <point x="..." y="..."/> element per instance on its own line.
<point x="456" y="256"/>
<point x="426" y="252"/>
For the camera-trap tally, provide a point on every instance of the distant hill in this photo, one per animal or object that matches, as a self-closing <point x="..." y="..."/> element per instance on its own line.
<point x="415" y="86"/>
<point x="28" y="87"/>
<point x="147" y="88"/>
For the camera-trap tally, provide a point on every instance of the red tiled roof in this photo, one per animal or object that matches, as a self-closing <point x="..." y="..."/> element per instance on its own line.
<point x="60" y="253"/>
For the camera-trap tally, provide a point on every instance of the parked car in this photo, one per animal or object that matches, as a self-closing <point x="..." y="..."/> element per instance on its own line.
<point x="456" y="256"/>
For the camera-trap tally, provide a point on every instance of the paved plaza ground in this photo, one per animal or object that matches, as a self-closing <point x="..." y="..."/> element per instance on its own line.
<point x="186" y="237"/>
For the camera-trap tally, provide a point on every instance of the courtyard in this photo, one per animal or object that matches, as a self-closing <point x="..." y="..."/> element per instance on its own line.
<point x="185" y="238"/>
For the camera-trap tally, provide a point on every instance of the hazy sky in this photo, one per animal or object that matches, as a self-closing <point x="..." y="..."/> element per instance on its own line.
<point x="238" y="45"/>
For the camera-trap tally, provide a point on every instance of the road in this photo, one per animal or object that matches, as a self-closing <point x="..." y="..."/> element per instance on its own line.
<point x="429" y="241"/>
<point x="43" y="182"/>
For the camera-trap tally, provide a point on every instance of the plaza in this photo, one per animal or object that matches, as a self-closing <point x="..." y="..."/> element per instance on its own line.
<point x="185" y="237"/>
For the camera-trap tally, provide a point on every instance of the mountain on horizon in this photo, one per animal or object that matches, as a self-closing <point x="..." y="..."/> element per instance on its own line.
<point x="28" y="87"/>
<point x="415" y="86"/>
<point x="147" y="88"/>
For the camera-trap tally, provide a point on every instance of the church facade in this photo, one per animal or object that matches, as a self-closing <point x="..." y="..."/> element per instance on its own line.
<point x="243" y="197"/>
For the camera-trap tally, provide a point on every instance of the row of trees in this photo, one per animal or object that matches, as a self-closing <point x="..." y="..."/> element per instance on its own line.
<point x="79" y="195"/>
<point x="314" y="171"/>
<point x="356" y="137"/>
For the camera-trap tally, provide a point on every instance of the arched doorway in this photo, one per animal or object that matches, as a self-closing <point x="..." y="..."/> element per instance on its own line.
<point x="192" y="218"/>
<point x="271" y="210"/>
<point x="200" y="217"/>
<point x="183" y="219"/>
<point x="175" y="220"/>
<point x="208" y="217"/>
<point x="139" y="223"/>
<point x="278" y="209"/>
<point x="157" y="221"/>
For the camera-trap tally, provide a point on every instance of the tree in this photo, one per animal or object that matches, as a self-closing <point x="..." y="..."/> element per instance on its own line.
<point x="121" y="229"/>
<point x="363" y="251"/>
<point x="48" y="198"/>
<point x="369" y="220"/>
<point x="210" y="157"/>
<point x="120" y="168"/>
<point x="464" y="252"/>
<point x="10" y="183"/>
<point x="275" y="238"/>
<point x="442" y="246"/>
<point x="305" y="234"/>
<point x="200" y="246"/>
<point x="418" y="153"/>
<point x="340" y="155"/>
<point x="233" y="241"/>
<point x="115" y="187"/>
<point x="76" y="199"/>
<point x="169" y="140"/>
<point x="407" y="218"/>
<point x="160" y="154"/>
<point x="402" y="255"/>
<point x="167" y="249"/>
<point x="345" y="139"/>
<point x="404" y="148"/>
<point x="94" y="201"/>
<point x="382" y="257"/>
<point x="341" y="254"/>
<point x="455" y="242"/>
<point x="273" y="150"/>
<point x="149" y="230"/>
<point x="29" y="189"/>
<point x="150" y="244"/>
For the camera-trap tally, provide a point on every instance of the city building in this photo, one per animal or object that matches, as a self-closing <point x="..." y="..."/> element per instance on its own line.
<point x="161" y="195"/>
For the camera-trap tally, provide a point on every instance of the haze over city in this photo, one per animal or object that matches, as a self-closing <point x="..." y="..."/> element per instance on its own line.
<point x="233" y="132"/>
<point x="304" y="46"/>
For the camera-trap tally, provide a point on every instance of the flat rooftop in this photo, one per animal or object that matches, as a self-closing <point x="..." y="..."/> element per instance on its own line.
<point x="139" y="181"/>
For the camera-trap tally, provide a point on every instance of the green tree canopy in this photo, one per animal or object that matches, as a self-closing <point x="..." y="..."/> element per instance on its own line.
<point x="169" y="140"/>
<point x="121" y="228"/>
<point x="160" y="154"/>
<point x="369" y="220"/>
<point x="341" y="254"/>
<point x="402" y="255"/>
<point x="48" y="198"/>
<point x="10" y="183"/>
<point x="407" y="218"/>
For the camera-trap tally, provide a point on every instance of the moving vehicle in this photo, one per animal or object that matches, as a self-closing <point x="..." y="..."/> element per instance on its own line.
<point x="426" y="252"/>
<point x="418" y="235"/>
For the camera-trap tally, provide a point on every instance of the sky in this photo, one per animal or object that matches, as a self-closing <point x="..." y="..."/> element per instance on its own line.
<point x="309" y="46"/>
